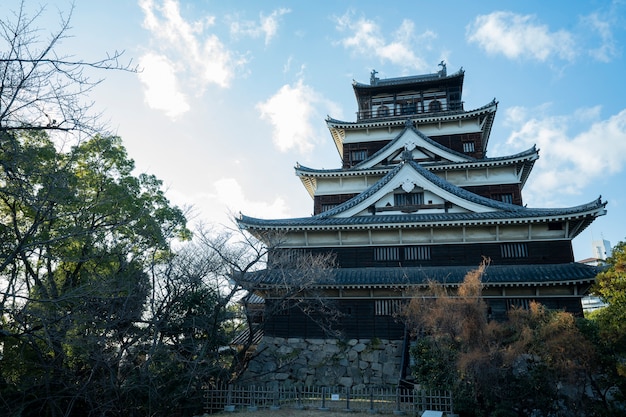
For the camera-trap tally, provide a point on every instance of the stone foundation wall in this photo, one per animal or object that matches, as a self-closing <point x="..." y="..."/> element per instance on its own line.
<point x="355" y="363"/>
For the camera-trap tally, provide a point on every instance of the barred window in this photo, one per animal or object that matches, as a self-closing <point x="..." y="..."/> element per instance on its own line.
<point x="358" y="155"/>
<point x="387" y="254"/>
<point x="522" y="303"/>
<point x="514" y="250"/>
<point x="417" y="253"/>
<point x="408" y="199"/>
<point x="387" y="307"/>
<point x="468" y="147"/>
<point x="506" y="198"/>
<point x="326" y="207"/>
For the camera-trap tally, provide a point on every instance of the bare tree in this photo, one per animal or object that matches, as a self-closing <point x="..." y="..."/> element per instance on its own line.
<point x="40" y="89"/>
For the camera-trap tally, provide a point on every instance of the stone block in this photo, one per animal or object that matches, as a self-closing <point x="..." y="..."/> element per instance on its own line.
<point x="360" y="347"/>
<point x="345" y="381"/>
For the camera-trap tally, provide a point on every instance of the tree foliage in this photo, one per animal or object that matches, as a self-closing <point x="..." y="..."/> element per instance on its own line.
<point x="79" y="233"/>
<point x="607" y="327"/>
<point x="539" y="361"/>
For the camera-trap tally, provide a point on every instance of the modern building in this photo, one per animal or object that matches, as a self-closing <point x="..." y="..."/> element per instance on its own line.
<point x="416" y="199"/>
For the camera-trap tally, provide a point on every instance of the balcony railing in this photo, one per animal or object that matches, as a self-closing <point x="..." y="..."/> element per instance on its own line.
<point x="392" y="112"/>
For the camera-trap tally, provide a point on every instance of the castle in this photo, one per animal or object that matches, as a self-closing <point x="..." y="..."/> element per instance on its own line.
<point x="416" y="199"/>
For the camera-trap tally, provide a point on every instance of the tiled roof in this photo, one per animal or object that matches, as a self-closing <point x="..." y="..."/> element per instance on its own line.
<point x="409" y="126"/>
<point x="439" y="182"/>
<point x="399" y="121"/>
<point x="509" y="275"/>
<point x="498" y="160"/>
<point x="383" y="82"/>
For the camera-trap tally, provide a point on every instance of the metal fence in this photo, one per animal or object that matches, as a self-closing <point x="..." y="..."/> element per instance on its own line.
<point x="373" y="400"/>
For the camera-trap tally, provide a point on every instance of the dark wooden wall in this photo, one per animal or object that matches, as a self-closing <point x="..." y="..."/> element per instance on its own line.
<point x="357" y="319"/>
<point x="354" y="319"/>
<point x="539" y="252"/>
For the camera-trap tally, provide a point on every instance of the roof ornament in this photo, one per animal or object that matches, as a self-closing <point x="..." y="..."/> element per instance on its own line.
<point x="408" y="123"/>
<point x="443" y="72"/>
<point x="410" y="145"/>
<point x="408" y="185"/>
<point x="373" y="78"/>
<point x="406" y="155"/>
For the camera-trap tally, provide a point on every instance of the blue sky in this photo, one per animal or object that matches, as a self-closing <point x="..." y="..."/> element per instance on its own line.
<point x="232" y="94"/>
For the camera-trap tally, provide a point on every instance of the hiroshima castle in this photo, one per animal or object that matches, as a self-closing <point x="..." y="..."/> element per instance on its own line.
<point x="415" y="199"/>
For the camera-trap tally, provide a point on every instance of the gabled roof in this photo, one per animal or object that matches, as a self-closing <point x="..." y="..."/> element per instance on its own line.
<point x="337" y="127"/>
<point x="410" y="138"/>
<point x="390" y="277"/>
<point x="472" y="208"/>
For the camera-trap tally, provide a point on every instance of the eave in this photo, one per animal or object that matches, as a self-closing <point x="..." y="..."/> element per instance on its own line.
<point x="407" y="279"/>
<point x="338" y="128"/>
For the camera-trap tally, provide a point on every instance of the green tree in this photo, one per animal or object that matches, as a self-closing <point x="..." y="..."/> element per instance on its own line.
<point x="608" y="328"/>
<point x="611" y="288"/>
<point x="79" y="233"/>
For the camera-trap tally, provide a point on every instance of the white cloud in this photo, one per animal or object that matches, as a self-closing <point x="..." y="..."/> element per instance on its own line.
<point x="200" y="56"/>
<point x="161" y="86"/>
<point x="608" y="48"/>
<point x="230" y="194"/>
<point x="520" y="37"/>
<point x="570" y="162"/>
<point x="292" y="112"/>
<point x="366" y="38"/>
<point x="267" y="26"/>
<point x="226" y="198"/>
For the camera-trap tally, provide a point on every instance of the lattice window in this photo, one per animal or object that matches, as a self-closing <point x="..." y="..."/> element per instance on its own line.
<point x="326" y="207"/>
<point x="408" y="199"/>
<point x="468" y="147"/>
<point x="387" y="307"/>
<point x="514" y="250"/>
<point x="387" y="253"/>
<point x="506" y="198"/>
<point x="358" y="155"/>
<point x="523" y="303"/>
<point x="383" y="111"/>
<point x="416" y="253"/>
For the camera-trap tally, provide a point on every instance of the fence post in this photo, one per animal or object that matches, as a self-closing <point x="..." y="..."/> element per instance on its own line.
<point x="276" y="400"/>
<point x="372" y="410"/>
<point x="348" y="399"/>
<point x="299" y="405"/>
<point x="229" y="407"/>
<point x="398" y="411"/>
<point x="252" y="406"/>
<point x="323" y="407"/>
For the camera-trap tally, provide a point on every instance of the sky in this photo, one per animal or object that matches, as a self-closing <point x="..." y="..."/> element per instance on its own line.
<point x="231" y="95"/>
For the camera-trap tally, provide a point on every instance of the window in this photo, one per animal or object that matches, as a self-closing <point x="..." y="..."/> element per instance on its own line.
<point x="434" y="106"/>
<point x="386" y="254"/>
<point x="387" y="307"/>
<point x="383" y="111"/>
<point x="505" y="198"/>
<point x="326" y="207"/>
<point x="358" y="155"/>
<point x="416" y="253"/>
<point x="514" y="250"/>
<point x="409" y="108"/>
<point x="555" y="226"/>
<point x="468" y="147"/>
<point x="408" y="199"/>
<point x="523" y="303"/>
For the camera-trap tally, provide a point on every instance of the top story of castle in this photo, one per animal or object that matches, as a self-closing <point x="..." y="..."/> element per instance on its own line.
<point x="417" y="198"/>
